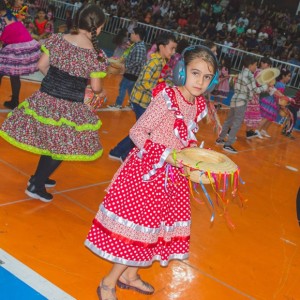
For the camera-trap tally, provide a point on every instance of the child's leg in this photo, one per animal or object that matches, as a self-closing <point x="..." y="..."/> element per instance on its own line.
<point x="108" y="284"/>
<point x="236" y="124"/>
<point x="15" y="83"/>
<point x="227" y="124"/>
<point x="131" y="277"/>
<point x="45" y="168"/>
<point x="122" y="92"/>
<point x="262" y="124"/>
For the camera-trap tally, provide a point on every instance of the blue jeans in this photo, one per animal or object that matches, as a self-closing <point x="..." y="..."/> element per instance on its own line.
<point x="126" y="145"/>
<point x="125" y="85"/>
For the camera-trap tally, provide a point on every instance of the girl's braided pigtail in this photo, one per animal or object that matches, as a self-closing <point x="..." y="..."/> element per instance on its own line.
<point x="95" y="41"/>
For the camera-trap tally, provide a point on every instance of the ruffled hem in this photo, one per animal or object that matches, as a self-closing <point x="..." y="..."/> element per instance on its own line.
<point x="133" y="263"/>
<point x="60" y="122"/>
<point x="36" y="150"/>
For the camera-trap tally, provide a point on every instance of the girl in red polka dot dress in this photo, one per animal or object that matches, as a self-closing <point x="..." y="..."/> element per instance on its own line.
<point x="145" y="215"/>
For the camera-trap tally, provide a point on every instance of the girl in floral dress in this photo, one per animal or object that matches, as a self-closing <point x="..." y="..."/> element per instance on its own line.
<point x="252" y="115"/>
<point x="269" y="106"/>
<point x="54" y="122"/>
<point x="221" y="91"/>
<point x="145" y="215"/>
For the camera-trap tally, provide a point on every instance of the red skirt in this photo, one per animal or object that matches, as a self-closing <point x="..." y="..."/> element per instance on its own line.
<point x="142" y="221"/>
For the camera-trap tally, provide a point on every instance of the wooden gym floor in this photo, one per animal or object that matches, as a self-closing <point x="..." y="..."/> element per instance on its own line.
<point x="259" y="259"/>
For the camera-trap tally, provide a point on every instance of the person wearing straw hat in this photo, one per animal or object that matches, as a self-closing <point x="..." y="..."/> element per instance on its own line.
<point x="269" y="106"/>
<point x="244" y="89"/>
<point x="146" y="214"/>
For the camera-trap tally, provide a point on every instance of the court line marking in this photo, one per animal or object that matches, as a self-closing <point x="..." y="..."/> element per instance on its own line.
<point x="61" y="192"/>
<point x="32" y="278"/>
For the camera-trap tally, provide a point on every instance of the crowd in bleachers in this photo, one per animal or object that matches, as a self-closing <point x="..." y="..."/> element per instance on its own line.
<point x="263" y="29"/>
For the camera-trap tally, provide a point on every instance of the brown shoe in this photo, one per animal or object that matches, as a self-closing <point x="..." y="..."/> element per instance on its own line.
<point x="104" y="287"/>
<point x="149" y="289"/>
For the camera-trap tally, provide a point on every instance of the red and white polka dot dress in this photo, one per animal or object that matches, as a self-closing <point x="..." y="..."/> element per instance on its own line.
<point x="145" y="215"/>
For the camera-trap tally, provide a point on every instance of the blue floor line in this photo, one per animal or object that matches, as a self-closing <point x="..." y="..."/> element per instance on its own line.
<point x="12" y="288"/>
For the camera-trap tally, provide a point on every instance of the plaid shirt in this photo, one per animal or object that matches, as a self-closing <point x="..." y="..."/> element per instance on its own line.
<point x="148" y="78"/>
<point x="136" y="59"/>
<point x="244" y="88"/>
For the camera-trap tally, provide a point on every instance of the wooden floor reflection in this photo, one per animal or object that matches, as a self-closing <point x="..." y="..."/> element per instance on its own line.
<point x="259" y="259"/>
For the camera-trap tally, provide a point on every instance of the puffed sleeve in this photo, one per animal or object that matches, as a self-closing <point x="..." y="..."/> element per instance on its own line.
<point x="149" y="121"/>
<point x="49" y="43"/>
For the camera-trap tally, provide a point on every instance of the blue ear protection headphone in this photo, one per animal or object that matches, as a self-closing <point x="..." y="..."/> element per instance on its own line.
<point x="179" y="72"/>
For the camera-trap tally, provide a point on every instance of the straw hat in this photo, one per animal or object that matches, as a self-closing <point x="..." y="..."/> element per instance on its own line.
<point x="267" y="75"/>
<point x="198" y="161"/>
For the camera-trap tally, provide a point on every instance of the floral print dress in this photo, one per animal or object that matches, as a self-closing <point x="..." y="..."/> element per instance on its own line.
<point x="54" y="126"/>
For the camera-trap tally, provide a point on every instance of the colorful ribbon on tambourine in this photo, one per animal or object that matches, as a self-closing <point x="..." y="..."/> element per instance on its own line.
<point x="221" y="184"/>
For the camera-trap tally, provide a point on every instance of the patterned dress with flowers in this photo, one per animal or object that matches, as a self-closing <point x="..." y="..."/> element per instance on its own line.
<point x="145" y="215"/>
<point x="252" y="117"/>
<point x="54" y="121"/>
<point x="269" y="106"/>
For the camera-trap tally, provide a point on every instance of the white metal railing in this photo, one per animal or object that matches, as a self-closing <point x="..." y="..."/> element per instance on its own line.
<point x="60" y="8"/>
<point x="236" y="55"/>
<point x="114" y="23"/>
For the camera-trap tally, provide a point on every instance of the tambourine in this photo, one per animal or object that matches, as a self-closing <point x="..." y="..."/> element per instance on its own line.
<point x="283" y="101"/>
<point x="283" y="112"/>
<point x="116" y="66"/>
<point x="201" y="165"/>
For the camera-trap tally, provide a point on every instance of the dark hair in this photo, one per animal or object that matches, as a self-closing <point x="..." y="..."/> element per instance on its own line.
<point x="266" y="60"/>
<point x="11" y="2"/>
<point x="249" y="60"/>
<point x="201" y="52"/>
<point x="283" y="72"/>
<point x="209" y="44"/>
<point x="2" y="5"/>
<point x="227" y="63"/>
<point x="182" y="44"/>
<point x="140" y="31"/>
<point x="89" y="18"/>
<point x="164" y="39"/>
<point x="119" y="37"/>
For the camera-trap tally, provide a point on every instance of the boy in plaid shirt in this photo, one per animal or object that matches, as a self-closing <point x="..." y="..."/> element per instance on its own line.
<point x="142" y="91"/>
<point x="244" y="89"/>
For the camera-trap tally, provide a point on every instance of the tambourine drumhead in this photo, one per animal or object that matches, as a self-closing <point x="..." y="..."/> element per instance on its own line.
<point x="283" y="102"/>
<point x="196" y="160"/>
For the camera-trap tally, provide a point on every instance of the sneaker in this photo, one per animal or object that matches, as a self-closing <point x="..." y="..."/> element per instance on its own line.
<point x="49" y="182"/>
<point x="111" y="155"/>
<point x="220" y="141"/>
<point x="264" y="133"/>
<point x="114" y="107"/>
<point x="251" y="134"/>
<point x="290" y="136"/>
<point x="258" y="134"/>
<point x="40" y="194"/>
<point x="229" y="149"/>
<point x="127" y="107"/>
